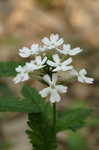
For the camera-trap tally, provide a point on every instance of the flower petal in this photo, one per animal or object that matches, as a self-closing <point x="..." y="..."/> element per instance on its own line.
<point x="66" y="47"/>
<point x="81" y="79"/>
<point x="34" y="47"/>
<point x="89" y="80"/>
<point x="45" y="92"/>
<point x="47" y="79"/>
<point x="24" y="77"/>
<point x="21" y="77"/>
<point x="54" y="37"/>
<point x="51" y="63"/>
<point x="58" y="68"/>
<point x="66" y="68"/>
<point x="54" y="97"/>
<point x="60" y="42"/>
<point x="44" y="60"/>
<point x="56" y="58"/>
<point x="31" y="66"/>
<point x="38" y="60"/>
<point x="19" y="68"/>
<point x="46" y="41"/>
<point x="75" y="51"/>
<point x="83" y="72"/>
<point x="84" y="79"/>
<point x="24" y="52"/>
<point x="61" y="88"/>
<point x="68" y="61"/>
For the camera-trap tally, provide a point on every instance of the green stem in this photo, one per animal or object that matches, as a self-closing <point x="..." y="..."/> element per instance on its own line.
<point x="54" y="120"/>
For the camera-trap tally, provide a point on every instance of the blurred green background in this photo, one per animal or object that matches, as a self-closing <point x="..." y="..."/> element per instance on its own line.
<point x="23" y="22"/>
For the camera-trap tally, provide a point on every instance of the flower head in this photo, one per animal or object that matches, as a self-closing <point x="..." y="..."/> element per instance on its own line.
<point x="45" y="58"/>
<point x="53" y="42"/>
<point x="53" y="90"/>
<point x="60" y="66"/>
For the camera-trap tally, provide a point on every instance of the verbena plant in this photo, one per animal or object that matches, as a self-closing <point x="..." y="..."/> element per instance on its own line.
<point x="49" y="61"/>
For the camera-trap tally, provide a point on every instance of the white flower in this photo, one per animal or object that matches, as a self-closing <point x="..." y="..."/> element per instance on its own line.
<point x="35" y="49"/>
<point x="36" y="64"/>
<point x="26" y="52"/>
<point x="60" y="66"/>
<point x="53" y="42"/>
<point x="53" y="90"/>
<point x="53" y="63"/>
<point x="31" y="66"/>
<point x="81" y="76"/>
<point x="40" y="62"/>
<point x="68" y="51"/>
<point x="22" y="74"/>
<point x="23" y="71"/>
<point x="20" y="77"/>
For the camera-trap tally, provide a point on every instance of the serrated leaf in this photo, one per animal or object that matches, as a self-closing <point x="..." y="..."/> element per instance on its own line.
<point x="33" y="95"/>
<point x="7" y="69"/>
<point x="72" y="119"/>
<point x="13" y="104"/>
<point x="41" y="132"/>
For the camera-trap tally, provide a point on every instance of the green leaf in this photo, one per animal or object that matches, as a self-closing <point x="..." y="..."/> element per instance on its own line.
<point x="7" y="69"/>
<point x="5" y="89"/>
<point x="41" y="132"/>
<point x="72" y="119"/>
<point x="76" y="142"/>
<point x="33" y="95"/>
<point x="13" y="104"/>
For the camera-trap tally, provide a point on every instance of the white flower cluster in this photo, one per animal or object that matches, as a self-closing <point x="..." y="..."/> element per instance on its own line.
<point x="51" y="57"/>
